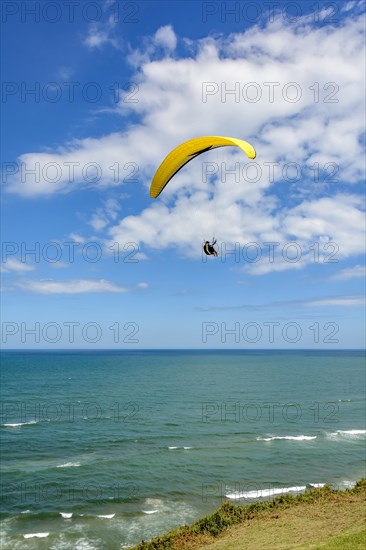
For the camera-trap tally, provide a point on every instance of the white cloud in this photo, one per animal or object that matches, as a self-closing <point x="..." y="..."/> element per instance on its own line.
<point x="143" y="285"/>
<point x="98" y="222"/>
<point x="105" y="215"/>
<point x="162" y="43"/>
<point x="350" y="273"/>
<point x="76" y="286"/>
<point x="14" y="265"/>
<point x="166" y="37"/>
<point x="326" y="230"/>
<point x="324" y="126"/>
<point x="139" y="256"/>
<point x="75" y="237"/>
<point x="100" y="33"/>
<point x="65" y="72"/>
<point x="343" y="301"/>
<point x="171" y="108"/>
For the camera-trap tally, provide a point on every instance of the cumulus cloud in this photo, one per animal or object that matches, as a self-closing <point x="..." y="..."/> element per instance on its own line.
<point x="166" y="37"/>
<point x="302" y="107"/>
<point x="180" y="98"/>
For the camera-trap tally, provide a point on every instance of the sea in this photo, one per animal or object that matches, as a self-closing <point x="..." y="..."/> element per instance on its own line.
<point x="103" y="449"/>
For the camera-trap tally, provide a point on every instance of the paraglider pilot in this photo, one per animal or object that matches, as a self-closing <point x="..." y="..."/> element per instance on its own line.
<point x="209" y="248"/>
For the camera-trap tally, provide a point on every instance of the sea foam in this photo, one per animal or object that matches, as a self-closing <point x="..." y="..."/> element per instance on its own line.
<point x="347" y="434"/>
<point x="351" y="432"/>
<point x="19" y="424"/>
<point x="35" y="535"/>
<point x="262" y="493"/>
<point x="185" y="448"/>
<point x="288" y="437"/>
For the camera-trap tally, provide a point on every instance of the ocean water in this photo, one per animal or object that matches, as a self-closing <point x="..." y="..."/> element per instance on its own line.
<point x="103" y="449"/>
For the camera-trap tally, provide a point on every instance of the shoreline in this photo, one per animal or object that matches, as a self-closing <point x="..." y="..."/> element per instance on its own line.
<point x="306" y="515"/>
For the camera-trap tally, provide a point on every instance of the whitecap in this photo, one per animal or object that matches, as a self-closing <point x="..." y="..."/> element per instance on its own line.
<point x="69" y="465"/>
<point x="35" y="535"/>
<point x="347" y="434"/>
<point x="66" y="515"/>
<point x="351" y="432"/>
<point x="150" y="511"/>
<point x="288" y="437"/>
<point x="346" y="484"/>
<point x="19" y="424"/>
<point x="173" y="447"/>
<point x="261" y="493"/>
<point x="106" y="516"/>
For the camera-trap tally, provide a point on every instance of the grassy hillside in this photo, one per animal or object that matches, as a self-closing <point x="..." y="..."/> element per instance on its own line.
<point x="323" y="519"/>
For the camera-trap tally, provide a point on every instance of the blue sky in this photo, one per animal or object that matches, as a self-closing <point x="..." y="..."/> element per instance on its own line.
<point x="94" y="97"/>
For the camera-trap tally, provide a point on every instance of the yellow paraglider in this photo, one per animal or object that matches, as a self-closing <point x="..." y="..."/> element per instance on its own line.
<point x="187" y="151"/>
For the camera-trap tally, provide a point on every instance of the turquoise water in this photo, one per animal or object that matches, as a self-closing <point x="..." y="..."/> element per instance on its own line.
<point x="104" y="449"/>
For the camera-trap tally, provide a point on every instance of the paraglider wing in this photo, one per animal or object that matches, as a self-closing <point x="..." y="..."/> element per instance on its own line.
<point x="187" y="151"/>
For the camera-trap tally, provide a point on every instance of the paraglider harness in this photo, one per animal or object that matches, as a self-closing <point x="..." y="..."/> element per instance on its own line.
<point x="209" y="248"/>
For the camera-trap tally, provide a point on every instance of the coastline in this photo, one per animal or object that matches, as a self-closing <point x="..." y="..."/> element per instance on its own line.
<point x="320" y="518"/>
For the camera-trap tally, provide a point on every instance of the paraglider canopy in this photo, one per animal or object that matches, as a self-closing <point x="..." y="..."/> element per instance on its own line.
<point x="187" y="151"/>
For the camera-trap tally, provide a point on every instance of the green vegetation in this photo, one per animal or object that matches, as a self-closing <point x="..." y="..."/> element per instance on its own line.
<point x="347" y="542"/>
<point x="320" y="519"/>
